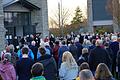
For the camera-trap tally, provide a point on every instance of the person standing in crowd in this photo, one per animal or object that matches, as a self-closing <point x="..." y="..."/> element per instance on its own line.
<point x="46" y="39"/>
<point x="34" y="49"/>
<point x="42" y="44"/>
<point x="49" y="64"/>
<point x="103" y="72"/>
<point x="14" y="56"/>
<point x="118" y="63"/>
<point x="83" y="57"/>
<point x="15" y="43"/>
<point x="47" y="46"/>
<point x="7" y="70"/>
<point x="98" y="55"/>
<point x="22" y="40"/>
<point x="93" y="45"/>
<point x="52" y="41"/>
<point x="86" y="74"/>
<point x="30" y="53"/>
<point x="114" y="45"/>
<point x="55" y="51"/>
<point x="74" y="51"/>
<point x="7" y="50"/>
<point x="37" y="72"/>
<point x="79" y="46"/>
<point x="86" y="44"/>
<point x="69" y="68"/>
<point x="61" y="50"/>
<point x="110" y="52"/>
<point x="37" y="40"/>
<point x="23" y="66"/>
<point x="83" y="66"/>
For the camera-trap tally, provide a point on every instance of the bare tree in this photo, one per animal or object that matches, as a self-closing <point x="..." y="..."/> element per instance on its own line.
<point x="54" y="19"/>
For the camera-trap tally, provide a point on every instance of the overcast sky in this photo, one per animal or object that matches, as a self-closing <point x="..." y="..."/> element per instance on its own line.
<point x="70" y="4"/>
<point x="67" y="4"/>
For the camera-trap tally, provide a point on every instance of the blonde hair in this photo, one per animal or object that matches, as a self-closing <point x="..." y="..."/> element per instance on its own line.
<point x="102" y="72"/>
<point x="68" y="58"/>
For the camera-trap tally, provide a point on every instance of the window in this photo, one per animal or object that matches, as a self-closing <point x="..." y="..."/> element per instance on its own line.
<point x="16" y="18"/>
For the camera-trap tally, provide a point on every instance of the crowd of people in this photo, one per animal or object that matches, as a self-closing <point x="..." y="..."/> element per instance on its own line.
<point x="73" y="57"/>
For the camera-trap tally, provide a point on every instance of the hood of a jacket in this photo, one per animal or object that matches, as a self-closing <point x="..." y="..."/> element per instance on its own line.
<point x="5" y="67"/>
<point x="38" y="78"/>
<point x="48" y="61"/>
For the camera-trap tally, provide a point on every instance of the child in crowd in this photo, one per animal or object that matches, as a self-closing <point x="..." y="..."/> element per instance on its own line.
<point x="37" y="71"/>
<point x="83" y="66"/>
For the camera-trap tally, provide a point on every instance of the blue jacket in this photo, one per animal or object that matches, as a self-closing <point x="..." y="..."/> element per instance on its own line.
<point x="47" y="52"/>
<point x="30" y="54"/>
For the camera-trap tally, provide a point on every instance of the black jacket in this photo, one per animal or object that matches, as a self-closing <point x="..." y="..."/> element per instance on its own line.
<point x="34" y="50"/>
<point x="50" y="68"/>
<point x="98" y="55"/>
<point x="73" y="49"/>
<point x="23" y="68"/>
<point x="83" y="58"/>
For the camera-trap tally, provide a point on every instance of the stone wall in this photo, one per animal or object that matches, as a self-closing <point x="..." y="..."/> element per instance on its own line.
<point x="40" y="17"/>
<point x="2" y="29"/>
<point x="90" y="16"/>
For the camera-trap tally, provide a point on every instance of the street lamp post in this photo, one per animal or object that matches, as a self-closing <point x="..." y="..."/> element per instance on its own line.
<point x="60" y="14"/>
<point x="62" y="19"/>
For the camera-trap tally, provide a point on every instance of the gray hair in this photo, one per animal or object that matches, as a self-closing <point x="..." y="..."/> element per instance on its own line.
<point x="99" y="42"/>
<point x="11" y="48"/>
<point x="7" y="56"/>
<point x="86" y="75"/>
<point x="84" y="50"/>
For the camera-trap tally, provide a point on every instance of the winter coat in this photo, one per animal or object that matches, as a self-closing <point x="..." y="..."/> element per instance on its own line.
<point x="55" y="52"/>
<point x="38" y="78"/>
<point x="7" y="71"/>
<point x="50" y="68"/>
<point x="30" y="54"/>
<point x="39" y="54"/>
<point x="83" y="58"/>
<point x="115" y="47"/>
<point x="34" y="50"/>
<point x="73" y="49"/>
<point x="98" y="55"/>
<point x="118" y="60"/>
<point x="79" y="47"/>
<point x="23" y="68"/>
<point x="66" y="73"/>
